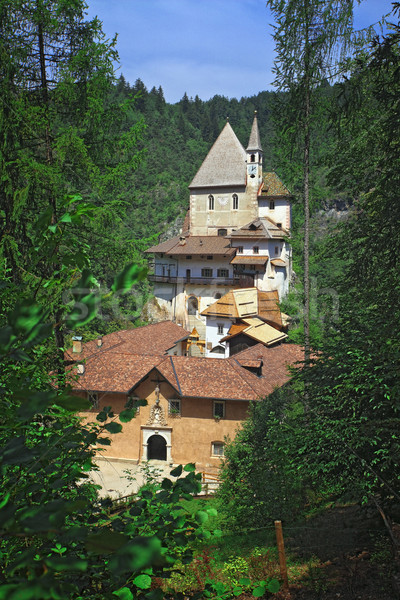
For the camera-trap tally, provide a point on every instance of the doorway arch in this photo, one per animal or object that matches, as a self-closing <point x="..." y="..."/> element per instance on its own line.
<point x="156" y="448"/>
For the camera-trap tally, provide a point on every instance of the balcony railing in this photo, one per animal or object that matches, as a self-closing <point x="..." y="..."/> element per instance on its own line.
<point x="194" y="280"/>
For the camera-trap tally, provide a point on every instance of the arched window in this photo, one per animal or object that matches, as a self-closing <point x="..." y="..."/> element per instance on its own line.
<point x="235" y="202"/>
<point x="253" y="158"/>
<point x="222" y="232"/>
<point x="217" y="296"/>
<point x="193" y="305"/>
<point x="210" y="202"/>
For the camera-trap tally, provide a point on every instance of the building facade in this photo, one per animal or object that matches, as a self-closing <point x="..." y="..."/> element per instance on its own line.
<point x="235" y="234"/>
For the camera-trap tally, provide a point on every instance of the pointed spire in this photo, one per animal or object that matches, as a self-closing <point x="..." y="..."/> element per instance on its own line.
<point x="254" y="141"/>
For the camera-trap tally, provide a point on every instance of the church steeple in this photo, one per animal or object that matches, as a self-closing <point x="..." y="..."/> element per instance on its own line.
<point x="254" y="141"/>
<point x="254" y="155"/>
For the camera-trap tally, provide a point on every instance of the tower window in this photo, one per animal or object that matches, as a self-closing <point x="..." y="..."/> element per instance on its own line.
<point x="210" y="202"/>
<point x="272" y="205"/>
<point x="235" y="202"/>
<point x="253" y="158"/>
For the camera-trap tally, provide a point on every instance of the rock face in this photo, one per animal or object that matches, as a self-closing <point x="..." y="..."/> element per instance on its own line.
<point x="156" y="310"/>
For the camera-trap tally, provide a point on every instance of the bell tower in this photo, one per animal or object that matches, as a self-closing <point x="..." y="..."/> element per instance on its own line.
<point x="254" y="156"/>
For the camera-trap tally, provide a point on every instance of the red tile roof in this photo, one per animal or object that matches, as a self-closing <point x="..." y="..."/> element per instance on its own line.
<point x="195" y="244"/>
<point x="151" y="339"/>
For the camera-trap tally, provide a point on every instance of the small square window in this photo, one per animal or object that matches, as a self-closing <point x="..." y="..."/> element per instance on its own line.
<point x="256" y="250"/>
<point x="217" y="448"/>
<point x="219" y="409"/>
<point x="240" y="249"/>
<point x="210" y="257"/>
<point x="174" y="407"/>
<point x="220" y="329"/>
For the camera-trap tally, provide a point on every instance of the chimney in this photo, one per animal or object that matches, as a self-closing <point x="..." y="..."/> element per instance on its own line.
<point x="99" y="342"/>
<point x="201" y="242"/>
<point x="182" y="240"/>
<point x="81" y="369"/>
<point x="77" y="344"/>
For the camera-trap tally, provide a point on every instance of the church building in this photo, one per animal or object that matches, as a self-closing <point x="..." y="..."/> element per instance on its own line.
<point x="235" y="235"/>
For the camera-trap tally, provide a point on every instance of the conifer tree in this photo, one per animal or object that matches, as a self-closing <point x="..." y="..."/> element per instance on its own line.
<point x="310" y="36"/>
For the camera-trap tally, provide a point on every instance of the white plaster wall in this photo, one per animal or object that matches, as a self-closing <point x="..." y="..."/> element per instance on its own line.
<point x="213" y="337"/>
<point x="261" y="242"/>
<point x="197" y="264"/>
<point x="280" y="214"/>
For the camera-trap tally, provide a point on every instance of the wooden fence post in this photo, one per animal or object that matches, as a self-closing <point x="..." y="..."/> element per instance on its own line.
<point x="281" y="553"/>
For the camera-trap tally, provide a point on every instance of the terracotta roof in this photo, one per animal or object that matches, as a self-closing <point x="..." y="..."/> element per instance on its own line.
<point x="246" y="302"/>
<point x="273" y="186"/>
<point x="186" y="223"/>
<point x="276" y="361"/>
<point x="209" y="378"/>
<point x="236" y="328"/>
<point x="252" y="363"/>
<point x="260" y="228"/>
<point x="249" y="260"/>
<point x="114" y="371"/>
<point x="151" y="339"/>
<point x="195" y="244"/>
<point x="254" y="141"/>
<point x="225" y="164"/>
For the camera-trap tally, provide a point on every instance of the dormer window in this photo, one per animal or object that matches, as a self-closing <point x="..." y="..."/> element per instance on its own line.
<point x="210" y="202"/>
<point x="222" y="232"/>
<point x="235" y="202"/>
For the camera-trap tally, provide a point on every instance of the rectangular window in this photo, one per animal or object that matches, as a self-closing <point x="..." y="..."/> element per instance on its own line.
<point x="272" y="205"/>
<point x="217" y="448"/>
<point x="235" y="202"/>
<point x="210" y="257"/>
<point x="219" y="409"/>
<point x="222" y="273"/>
<point x="206" y="272"/>
<point x="210" y="202"/>
<point x="93" y="399"/>
<point x="220" y="329"/>
<point x="277" y="250"/>
<point x="240" y="249"/>
<point x="256" y="250"/>
<point x="252" y="267"/>
<point x="174" y="407"/>
<point x="188" y="257"/>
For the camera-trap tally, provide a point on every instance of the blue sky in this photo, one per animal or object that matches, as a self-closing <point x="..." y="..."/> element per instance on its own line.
<point x="202" y="47"/>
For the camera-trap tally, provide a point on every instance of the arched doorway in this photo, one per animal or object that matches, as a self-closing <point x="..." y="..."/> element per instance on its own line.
<point x="193" y="305"/>
<point x="156" y="448"/>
